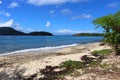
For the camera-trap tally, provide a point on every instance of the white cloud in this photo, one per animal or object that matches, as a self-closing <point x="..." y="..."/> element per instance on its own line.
<point x="52" y="2"/>
<point x="11" y="23"/>
<point x="7" y="23"/>
<point x="5" y="13"/>
<point x="0" y="2"/>
<point x="113" y="5"/>
<point x="66" y="11"/>
<point x="68" y="31"/>
<point x="17" y="26"/>
<point x="13" y="5"/>
<point x="52" y="11"/>
<point x="29" y="30"/>
<point x="48" y="24"/>
<point x="81" y="16"/>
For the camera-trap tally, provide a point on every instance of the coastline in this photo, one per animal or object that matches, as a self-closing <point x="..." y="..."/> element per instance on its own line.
<point x="38" y="50"/>
<point x="43" y="49"/>
<point x="33" y="62"/>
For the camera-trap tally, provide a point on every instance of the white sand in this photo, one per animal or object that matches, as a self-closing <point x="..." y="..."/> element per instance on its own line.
<point x="70" y="53"/>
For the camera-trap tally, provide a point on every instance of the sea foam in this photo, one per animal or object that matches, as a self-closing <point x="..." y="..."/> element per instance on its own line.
<point x="42" y="49"/>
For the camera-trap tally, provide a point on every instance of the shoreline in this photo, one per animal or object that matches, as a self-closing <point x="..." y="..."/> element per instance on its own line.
<point x="33" y="62"/>
<point x="43" y="49"/>
<point x="21" y="58"/>
<point x="36" y="50"/>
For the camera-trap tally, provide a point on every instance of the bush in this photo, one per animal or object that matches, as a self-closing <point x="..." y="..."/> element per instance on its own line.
<point x="94" y="64"/>
<point x="104" y="52"/>
<point x="71" y="65"/>
<point x="104" y="65"/>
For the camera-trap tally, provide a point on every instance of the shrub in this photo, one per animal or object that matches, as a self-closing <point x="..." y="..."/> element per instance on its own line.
<point x="111" y="25"/>
<point x="104" y="65"/>
<point x="71" y="65"/>
<point x="104" y="52"/>
<point x="94" y="64"/>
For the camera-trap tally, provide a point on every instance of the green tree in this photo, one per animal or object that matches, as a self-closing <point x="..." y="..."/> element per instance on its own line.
<point x="111" y="26"/>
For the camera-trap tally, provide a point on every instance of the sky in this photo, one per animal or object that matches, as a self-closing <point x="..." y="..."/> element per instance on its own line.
<point x="59" y="17"/>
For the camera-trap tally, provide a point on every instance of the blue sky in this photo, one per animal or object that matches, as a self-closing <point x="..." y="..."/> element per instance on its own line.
<point x="55" y="16"/>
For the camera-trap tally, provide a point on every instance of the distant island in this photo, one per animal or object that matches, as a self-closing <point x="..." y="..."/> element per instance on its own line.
<point x="8" y="31"/>
<point x="42" y="33"/>
<point x="88" y="34"/>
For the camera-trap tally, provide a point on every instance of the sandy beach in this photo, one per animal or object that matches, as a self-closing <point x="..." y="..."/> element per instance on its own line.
<point x="34" y="62"/>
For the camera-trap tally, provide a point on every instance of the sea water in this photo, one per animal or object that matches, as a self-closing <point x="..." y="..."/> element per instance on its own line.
<point x="15" y="44"/>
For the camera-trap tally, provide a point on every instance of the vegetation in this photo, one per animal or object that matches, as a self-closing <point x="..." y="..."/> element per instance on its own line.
<point x="87" y="61"/>
<point x="88" y="34"/>
<point x="94" y="64"/>
<point x="111" y="26"/>
<point x="8" y="31"/>
<point x="104" y="52"/>
<point x="42" y="33"/>
<point x="72" y="65"/>
<point x="89" y="64"/>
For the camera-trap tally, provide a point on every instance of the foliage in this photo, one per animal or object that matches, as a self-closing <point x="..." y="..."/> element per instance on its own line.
<point x="71" y="65"/>
<point x="94" y="64"/>
<point x="111" y="25"/>
<point x="88" y="34"/>
<point x="104" y="52"/>
<point x="104" y="65"/>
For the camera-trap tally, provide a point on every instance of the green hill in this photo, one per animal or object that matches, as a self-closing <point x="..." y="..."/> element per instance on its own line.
<point x="88" y="34"/>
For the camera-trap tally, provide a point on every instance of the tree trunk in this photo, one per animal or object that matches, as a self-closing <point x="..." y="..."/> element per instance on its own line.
<point x="116" y="49"/>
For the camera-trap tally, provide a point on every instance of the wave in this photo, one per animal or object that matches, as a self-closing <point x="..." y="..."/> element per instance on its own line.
<point x="42" y="49"/>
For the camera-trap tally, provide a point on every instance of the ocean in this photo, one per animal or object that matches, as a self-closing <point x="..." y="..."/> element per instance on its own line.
<point x="16" y="44"/>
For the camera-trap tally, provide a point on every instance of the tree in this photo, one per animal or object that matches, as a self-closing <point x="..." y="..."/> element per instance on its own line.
<point x="111" y="26"/>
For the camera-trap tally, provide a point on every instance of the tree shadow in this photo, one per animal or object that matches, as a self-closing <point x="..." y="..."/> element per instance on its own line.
<point x="5" y="64"/>
<point x="17" y="74"/>
<point x="48" y="73"/>
<point x="53" y="73"/>
<point x="86" y="59"/>
<point x="56" y="73"/>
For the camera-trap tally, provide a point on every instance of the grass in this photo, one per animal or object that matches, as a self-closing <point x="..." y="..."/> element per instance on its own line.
<point x="87" y="65"/>
<point x="104" y="52"/>
<point x="104" y="65"/>
<point x="94" y="64"/>
<point x="72" y="65"/>
<point x="115" y="69"/>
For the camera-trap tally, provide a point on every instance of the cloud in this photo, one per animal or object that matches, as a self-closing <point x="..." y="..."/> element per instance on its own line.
<point x="113" y="5"/>
<point x="82" y="16"/>
<point x="52" y="11"/>
<point x="66" y="11"/>
<point x="48" y="24"/>
<point x="11" y="23"/>
<point x="17" y="26"/>
<point x="7" y="23"/>
<point x="5" y="13"/>
<point x="68" y="31"/>
<point x="52" y="2"/>
<point x="0" y="2"/>
<point x="13" y="5"/>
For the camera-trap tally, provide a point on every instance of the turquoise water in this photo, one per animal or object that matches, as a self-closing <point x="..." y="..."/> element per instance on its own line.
<point x="26" y="43"/>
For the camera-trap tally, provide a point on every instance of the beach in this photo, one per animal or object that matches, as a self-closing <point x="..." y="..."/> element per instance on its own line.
<point x="35" y="61"/>
<point x="59" y="40"/>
